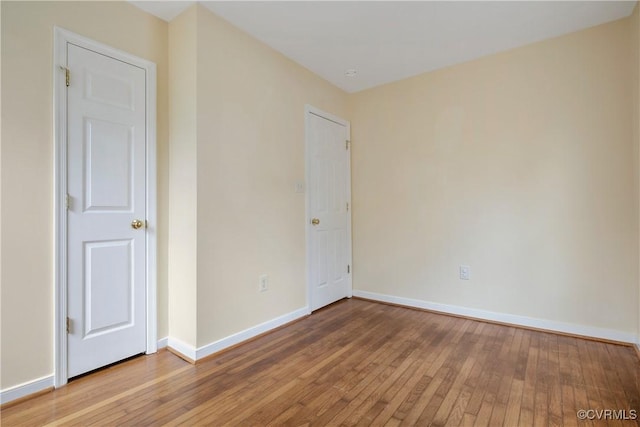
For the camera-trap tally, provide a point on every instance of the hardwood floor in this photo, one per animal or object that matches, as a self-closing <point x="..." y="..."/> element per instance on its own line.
<point x="360" y="363"/>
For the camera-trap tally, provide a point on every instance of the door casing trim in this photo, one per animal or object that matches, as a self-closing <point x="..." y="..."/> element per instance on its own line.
<point x="308" y="110"/>
<point x="60" y="39"/>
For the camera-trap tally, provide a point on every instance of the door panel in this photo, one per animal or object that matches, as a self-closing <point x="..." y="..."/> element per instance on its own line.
<point x="329" y="245"/>
<point x="107" y="191"/>
<point x="110" y="89"/>
<point x="109" y="157"/>
<point x="110" y="293"/>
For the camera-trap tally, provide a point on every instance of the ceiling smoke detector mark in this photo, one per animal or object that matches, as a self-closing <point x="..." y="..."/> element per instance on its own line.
<point x="351" y="72"/>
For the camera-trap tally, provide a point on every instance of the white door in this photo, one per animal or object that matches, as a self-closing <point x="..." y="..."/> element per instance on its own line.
<point x="106" y="259"/>
<point x="329" y="243"/>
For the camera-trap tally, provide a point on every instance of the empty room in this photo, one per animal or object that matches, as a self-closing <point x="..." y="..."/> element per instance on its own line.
<point x="320" y="213"/>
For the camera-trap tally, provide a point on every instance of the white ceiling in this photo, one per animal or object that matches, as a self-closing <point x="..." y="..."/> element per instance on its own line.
<point x="387" y="41"/>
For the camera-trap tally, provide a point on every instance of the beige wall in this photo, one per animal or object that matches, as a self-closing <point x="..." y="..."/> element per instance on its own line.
<point x="250" y="152"/>
<point x="519" y="164"/>
<point x="183" y="229"/>
<point x="27" y="164"/>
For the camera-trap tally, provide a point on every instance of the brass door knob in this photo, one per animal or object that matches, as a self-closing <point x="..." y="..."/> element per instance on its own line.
<point x="315" y="221"/>
<point x="136" y="223"/>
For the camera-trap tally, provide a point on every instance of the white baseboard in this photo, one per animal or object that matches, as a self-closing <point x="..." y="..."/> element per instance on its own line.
<point x="163" y="342"/>
<point x="198" y="353"/>
<point x="254" y="331"/>
<point x="550" y="325"/>
<point x="182" y="347"/>
<point x="22" y="390"/>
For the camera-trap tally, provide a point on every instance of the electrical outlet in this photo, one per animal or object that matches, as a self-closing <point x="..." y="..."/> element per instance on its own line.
<point x="465" y="272"/>
<point x="264" y="283"/>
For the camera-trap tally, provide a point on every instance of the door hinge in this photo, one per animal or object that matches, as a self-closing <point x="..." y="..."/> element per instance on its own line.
<point x="66" y="74"/>
<point x="346" y="144"/>
<point x="67" y="201"/>
<point x="347" y="206"/>
<point x="348" y="269"/>
<point x="68" y="324"/>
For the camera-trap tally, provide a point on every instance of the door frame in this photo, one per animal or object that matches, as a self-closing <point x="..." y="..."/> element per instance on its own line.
<point x="309" y="110"/>
<point x="60" y="39"/>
